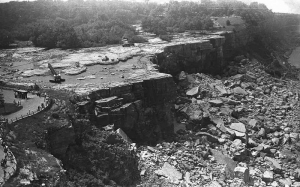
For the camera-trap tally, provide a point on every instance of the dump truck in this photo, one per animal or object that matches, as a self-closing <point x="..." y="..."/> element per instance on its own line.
<point x="57" y="77"/>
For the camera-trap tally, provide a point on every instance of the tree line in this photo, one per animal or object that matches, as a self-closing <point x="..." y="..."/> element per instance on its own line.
<point x="180" y="16"/>
<point x="91" y="23"/>
<point x="69" y="24"/>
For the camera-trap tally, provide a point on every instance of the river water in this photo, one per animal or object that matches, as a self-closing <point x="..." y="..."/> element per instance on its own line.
<point x="295" y="57"/>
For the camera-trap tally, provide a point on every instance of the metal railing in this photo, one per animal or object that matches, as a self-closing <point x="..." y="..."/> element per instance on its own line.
<point x="47" y="102"/>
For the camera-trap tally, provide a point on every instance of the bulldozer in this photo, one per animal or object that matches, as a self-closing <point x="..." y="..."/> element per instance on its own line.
<point x="57" y="77"/>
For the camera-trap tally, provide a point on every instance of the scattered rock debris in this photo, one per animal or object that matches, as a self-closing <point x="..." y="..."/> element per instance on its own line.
<point x="241" y="130"/>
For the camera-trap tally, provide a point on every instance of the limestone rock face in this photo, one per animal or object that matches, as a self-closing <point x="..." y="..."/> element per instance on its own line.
<point x="203" y="56"/>
<point x="141" y="108"/>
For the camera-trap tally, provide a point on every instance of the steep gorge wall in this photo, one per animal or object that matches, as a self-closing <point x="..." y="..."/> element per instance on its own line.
<point x="208" y="55"/>
<point x="201" y="56"/>
<point x="141" y="108"/>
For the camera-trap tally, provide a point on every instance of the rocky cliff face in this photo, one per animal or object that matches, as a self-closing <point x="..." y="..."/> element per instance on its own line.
<point x="201" y="56"/>
<point x="207" y="55"/>
<point x="141" y="107"/>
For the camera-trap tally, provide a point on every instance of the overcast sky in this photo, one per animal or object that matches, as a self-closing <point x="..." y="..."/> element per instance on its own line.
<point x="286" y="6"/>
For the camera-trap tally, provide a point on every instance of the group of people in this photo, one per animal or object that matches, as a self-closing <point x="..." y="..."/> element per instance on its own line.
<point x="18" y="103"/>
<point x="41" y="107"/>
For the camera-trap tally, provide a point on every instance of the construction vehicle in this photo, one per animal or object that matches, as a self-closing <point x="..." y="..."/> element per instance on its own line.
<point x="57" y="77"/>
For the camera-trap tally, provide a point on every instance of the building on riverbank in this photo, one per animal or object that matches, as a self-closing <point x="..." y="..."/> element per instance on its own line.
<point x="22" y="94"/>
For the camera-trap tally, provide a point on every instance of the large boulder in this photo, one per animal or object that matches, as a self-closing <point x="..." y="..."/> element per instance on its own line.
<point x="239" y="91"/>
<point x="170" y="172"/>
<point x="193" y="92"/>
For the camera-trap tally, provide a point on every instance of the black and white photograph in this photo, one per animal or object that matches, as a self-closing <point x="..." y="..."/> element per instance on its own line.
<point x="149" y="93"/>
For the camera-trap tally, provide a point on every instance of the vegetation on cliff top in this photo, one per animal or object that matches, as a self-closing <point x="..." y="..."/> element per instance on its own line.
<point x="69" y="24"/>
<point x="74" y="24"/>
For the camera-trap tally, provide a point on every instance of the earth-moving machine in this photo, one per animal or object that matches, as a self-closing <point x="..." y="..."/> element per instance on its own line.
<point x="57" y="77"/>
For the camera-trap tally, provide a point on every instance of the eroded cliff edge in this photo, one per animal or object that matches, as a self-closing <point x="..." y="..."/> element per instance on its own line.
<point x="142" y="105"/>
<point x="141" y="108"/>
<point x="203" y="56"/>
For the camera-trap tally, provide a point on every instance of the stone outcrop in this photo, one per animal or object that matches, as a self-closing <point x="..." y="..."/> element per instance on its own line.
<point x="141" y="107"/>
<point x="198" y="56"/>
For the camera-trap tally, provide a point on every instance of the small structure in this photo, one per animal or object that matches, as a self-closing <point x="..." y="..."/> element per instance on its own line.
<point x="22" y="94"/>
